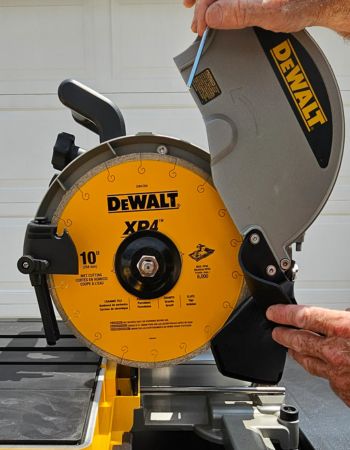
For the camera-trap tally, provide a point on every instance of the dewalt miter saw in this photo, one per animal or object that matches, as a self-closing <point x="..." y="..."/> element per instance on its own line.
<point x="152" y="250"/>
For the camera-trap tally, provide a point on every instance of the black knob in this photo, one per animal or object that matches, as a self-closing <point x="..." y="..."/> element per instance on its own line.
<point x="28" y="265"/>
<point x="289" y="413"/>
<point x="64" y="151"/>
<point x="42" y="221"/>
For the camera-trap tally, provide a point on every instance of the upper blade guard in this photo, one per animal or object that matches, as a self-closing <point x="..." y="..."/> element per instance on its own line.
<point x="275" y="128"/>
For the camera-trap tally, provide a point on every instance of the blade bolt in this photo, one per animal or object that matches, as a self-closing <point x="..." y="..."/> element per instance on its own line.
<point x="254" y="239"/>
<point x="147" y="266"/>
<point x="271" y="271"/>
<point x="25" y="265"/>
<point x="162" y="150"/>
<point x="285" y="264"/>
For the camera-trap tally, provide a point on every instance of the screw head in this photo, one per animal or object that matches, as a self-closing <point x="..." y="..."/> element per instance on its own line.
<point x="271" y="271"/>
<point x="148" y="266"/>
<point x="285" y="264"/>
<point x="162" y="150"/>
<point x="25" y="265"/>
<point x="254" y="239"/>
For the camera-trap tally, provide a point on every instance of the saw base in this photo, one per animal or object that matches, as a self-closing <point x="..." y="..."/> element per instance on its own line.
<point x="113" y="420"/>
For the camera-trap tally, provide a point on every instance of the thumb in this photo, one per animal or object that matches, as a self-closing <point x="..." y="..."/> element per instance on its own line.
<point x="214" y="15"/>
<point x="227" y="14"/>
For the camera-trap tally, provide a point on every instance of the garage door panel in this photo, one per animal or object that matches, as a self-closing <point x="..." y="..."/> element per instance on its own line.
<point x="120" y="45"/>
<point x="339" y="202"/>
<point x="17" y="297"/>
<point x="17" y="209"/>
<point x="28" y="138"/>
<point x="345" y="169"/>
<point x="326" y="250"/>
<point x="145" y="37"/>
<point x="12" y="234"/>
<point x="17" y="303"/>
<point x="17" y="191"/>
<point x="330" y="297"/>
<point x="170" y="122"/>
<point x="324" y="275"/>
<point x="42" y="42"/>
<point x="337" y="51"/>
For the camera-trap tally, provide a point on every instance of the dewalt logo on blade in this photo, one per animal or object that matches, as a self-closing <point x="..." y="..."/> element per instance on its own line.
<point x="144" y="201"/>
<point x="298" y="85"/>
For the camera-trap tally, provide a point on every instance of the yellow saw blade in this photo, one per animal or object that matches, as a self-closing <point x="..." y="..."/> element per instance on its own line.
<point x="126" y="196"/>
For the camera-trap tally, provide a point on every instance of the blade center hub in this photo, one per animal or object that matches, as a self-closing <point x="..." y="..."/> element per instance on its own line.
<point x="148" y="264"/>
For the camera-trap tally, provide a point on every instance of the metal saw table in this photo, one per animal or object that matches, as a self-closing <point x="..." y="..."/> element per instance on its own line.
<point x="46" y="394"/>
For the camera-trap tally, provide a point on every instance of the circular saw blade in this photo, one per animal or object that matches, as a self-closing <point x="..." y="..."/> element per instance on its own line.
<point x="127" y="195"/>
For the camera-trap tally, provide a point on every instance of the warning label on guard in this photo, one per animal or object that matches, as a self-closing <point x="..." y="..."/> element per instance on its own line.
<point x="206" y="86"/>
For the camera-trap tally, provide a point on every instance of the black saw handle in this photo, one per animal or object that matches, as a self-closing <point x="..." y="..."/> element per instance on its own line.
<point x="92" y="110"/>
<point x="244" y="348"/>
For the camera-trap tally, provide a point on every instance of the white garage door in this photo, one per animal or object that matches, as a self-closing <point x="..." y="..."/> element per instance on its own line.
<point x="124" y="49"/>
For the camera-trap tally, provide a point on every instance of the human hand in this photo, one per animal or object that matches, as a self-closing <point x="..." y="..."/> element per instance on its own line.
<point x="321" y="344"/>
<point x="275" y="15"/>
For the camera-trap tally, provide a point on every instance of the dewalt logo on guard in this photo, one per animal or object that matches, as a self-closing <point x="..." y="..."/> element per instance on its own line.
<point x="299" y="86"/>
<point x="302" y="86"/>
<point x="144" y="201"/>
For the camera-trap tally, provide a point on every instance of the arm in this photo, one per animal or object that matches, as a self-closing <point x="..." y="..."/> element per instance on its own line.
<point x="321" y="344"/>
<point x="275" y="15"/>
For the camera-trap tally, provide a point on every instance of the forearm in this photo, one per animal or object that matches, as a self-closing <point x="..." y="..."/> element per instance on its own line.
<point x="337" y="17"/>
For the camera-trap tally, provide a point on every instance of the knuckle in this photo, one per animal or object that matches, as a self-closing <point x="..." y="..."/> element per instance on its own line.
<point x="342" y="328"/>
<point x="215" y="15"/>
<point x="240" y="12"/>
<point x="304" y="342"/>
<point x="334" y="352"/>
<point x="310" y="365"/>
<point x="297" y="342"/>
<point x="339" y="379"/>
<point x="301" y="316"/>
<point x="336" y="358"/>
<point x="275" y="314"/>
<point x="323" y="324"/>
<point x="314" y="366"/>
